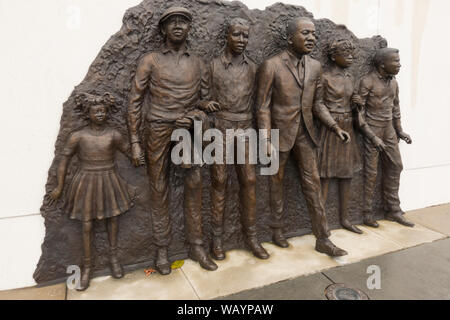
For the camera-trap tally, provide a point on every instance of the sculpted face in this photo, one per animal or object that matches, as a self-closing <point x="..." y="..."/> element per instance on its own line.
<point x="176" y="28"/>
<point x="344" y="58"/>
<point x="391" y="64"/>
<point x="97" y="114"/>
<point x="237" y="39"/>
<point x="304" y="38"/>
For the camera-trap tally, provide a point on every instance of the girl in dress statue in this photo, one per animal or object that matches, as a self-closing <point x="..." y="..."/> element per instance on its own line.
<point x="338" y="160"/>
<point x="96" y="192"/>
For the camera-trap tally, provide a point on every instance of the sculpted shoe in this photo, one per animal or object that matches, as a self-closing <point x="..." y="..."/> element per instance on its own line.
<point x="279" y="239"/>
<point x="198" y="254"/>
<point x="217" y="251"/>
<point x="163" y="265"/>
<point x="370" y="221"/>
<point x="327" y="247"/>
<point x="116" y="268"/>
<point x="350" y="227"/>
<point x="85" y="276"/>
<point x="398" y="217"/>
<point x="257" y="248"/>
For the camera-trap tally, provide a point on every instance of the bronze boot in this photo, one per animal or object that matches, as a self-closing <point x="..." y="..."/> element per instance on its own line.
<point x="217" y="251"/>
<point x="256" y="248"/>
<point x="279" y="239"/>
<point x="327" y="247"/>
<point x="398" y="217"/>
<point x="350" y="227"/>
<point x="163" y="265"/>
<point x="198" y="254"/>
<point x="370" y="221"/>
<point x="85" y="275"/>
<point x="116" y="268"/>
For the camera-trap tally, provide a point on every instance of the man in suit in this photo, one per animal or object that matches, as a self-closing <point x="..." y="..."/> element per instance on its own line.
<point x="289" y="94"/>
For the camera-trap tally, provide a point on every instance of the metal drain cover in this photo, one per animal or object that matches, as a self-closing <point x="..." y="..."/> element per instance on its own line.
<point x="343" y="292"/>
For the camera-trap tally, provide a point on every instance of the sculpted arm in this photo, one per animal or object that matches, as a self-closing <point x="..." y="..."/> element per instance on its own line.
<point x="263" y="100"/>
<point x="361" y="100"/>
<point x="69" y="150"/>
<point x="396" y="119"/>
<point x="321" y="111"/>
<point x="135" y="114"/>
<point x="206" y="104"/>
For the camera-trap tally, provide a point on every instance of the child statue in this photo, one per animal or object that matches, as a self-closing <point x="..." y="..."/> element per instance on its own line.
<point x="96" y="191"/>
<point x="339" y="160"/>
<point x="379" y="98"/>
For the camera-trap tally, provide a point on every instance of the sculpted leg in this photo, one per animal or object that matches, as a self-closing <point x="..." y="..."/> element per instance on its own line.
<point x="218" y="197"/>
<point x="87" y="259"/>
<point x="158" y="147"/>
<point x="193" y="218"/>
<point x="310" y="181"/>
<point x="247" y="195"/>
<point x="371" y="157"/>
<point x="113" y="231"/>
<point x="276" y="203"/>
<point x="392" y="168"/>
<point x="344" y="198"/>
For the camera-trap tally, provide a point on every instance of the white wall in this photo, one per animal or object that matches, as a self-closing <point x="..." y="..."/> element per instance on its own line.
<point x="47" y="47"/>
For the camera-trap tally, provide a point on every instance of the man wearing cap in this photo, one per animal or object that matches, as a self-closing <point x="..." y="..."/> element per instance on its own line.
<point x="169" y="85"/>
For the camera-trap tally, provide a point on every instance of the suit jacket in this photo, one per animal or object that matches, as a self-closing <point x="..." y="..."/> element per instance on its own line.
<point x="282" y="98"/>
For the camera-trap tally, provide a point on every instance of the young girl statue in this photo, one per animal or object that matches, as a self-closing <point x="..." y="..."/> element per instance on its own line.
<point x="338" y="160"/>
<point x="96" y="192"/>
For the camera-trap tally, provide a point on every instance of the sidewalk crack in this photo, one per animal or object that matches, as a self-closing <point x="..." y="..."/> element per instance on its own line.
<point x="190" y="283"/>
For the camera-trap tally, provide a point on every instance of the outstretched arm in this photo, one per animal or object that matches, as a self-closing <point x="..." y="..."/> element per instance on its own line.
<point x="124" y="147"/>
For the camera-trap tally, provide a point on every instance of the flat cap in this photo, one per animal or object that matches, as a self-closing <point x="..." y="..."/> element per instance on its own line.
<point x="175" y="11"/>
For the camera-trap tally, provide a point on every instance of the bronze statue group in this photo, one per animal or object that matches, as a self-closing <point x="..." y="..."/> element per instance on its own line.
<point x="287" y="92"/>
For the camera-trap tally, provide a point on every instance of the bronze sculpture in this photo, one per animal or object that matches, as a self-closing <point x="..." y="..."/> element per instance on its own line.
<point x="289" y="93"/>
<point x="380" y="103"/>
<point x="113" y="70"/>
<point x="337" y="160"/>
<point x="176" y="82"/>
<point x="96" y="192"/>
<point x="232" y="86"/>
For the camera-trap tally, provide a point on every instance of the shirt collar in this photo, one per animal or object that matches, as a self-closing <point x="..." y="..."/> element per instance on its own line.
<point x="185" y="50"/>
<point x="226" y="62"/>
<point x="386" y="78"/>
<point x="341" y="72"/>
<point x="295" y="59"/>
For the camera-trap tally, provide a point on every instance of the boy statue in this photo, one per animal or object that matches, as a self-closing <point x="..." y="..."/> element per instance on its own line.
<point x="380" y="102"/>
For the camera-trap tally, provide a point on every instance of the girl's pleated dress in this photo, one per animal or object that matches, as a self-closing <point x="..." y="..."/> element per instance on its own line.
<point x="96" y="191"/>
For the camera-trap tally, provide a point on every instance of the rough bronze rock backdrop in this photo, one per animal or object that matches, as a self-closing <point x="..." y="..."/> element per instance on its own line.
<point x="113" y="71"/>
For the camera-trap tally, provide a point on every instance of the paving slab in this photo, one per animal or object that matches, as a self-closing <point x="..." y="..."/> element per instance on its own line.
<point x="404" y="236"/>
<point x="360" y="247"/>
<point x="137" y="286"/>
<point x="242" y="271"/>
<point x="56" y="292"/>
<point x="304" y="288"/>
<point x="436" y="218"/>
<point x="420" y="272"/>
